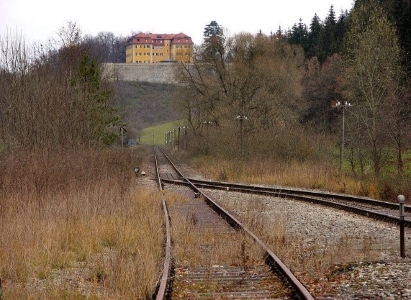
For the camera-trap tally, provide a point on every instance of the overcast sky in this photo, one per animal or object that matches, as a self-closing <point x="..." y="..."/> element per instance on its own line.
<point x="39" y="20"/>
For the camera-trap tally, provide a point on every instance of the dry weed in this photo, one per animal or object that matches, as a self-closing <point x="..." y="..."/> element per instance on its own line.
<point x="314" y="175"/>
<point x="196" y="246"/>
<point x="76" y="225"/>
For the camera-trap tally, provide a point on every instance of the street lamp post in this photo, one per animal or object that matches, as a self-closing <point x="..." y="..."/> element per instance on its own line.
<point x="343" y="105"/>
<point x="241" y="118"/>
<point x="178" y="139"/>
<point x="122" y="130"/>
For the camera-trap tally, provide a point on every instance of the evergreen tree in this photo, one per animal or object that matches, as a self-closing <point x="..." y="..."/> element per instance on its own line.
<point x="299" y="35"/>
<point x="92" y="104"/>
<point x="328" y="38"/>
<point x="401" y="14"/>
<point x="322" y="39"/>
<point x="213" y="42"/>
<point x="279" y="32"/>
<point x="314" y="35"/>
<point x="340" y="31"/>
<point x="212" y="30"/>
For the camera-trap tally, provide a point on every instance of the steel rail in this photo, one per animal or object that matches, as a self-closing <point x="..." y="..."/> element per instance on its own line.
<point x="308" y="196"/>
<point x="282" y="190"/>
<point x="161" y="292"/>
<point x="274" y="262"/>
<point x="172" y="164"/>
<point x="302" y="292"/>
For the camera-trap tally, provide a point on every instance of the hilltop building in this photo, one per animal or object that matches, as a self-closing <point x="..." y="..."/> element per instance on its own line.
<point x="149" y="48"/>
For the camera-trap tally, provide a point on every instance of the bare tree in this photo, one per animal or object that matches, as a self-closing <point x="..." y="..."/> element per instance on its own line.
<point x="322" y="89"/>
<point x="243" y="86"/>
<point x="371" y="74"/>
<point x="49" y="101"/>
<point x="70" y="35"/>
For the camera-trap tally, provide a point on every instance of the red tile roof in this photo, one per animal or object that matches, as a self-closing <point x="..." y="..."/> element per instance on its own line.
<point x="154" y="38"/>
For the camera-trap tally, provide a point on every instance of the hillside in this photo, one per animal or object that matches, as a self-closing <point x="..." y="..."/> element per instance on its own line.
<point x="144" y="104"/>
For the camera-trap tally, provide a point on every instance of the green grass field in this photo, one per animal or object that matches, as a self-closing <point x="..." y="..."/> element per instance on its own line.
<point x="155" y="135"/>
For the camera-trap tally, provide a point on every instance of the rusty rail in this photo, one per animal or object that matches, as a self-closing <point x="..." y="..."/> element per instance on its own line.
<point x="275" y="263"/>
<point x="321" y="198"/>
<point x="162" y="288"/>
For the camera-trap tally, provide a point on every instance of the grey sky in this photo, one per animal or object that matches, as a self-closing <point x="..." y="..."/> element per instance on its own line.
<point x="40" y="20"/>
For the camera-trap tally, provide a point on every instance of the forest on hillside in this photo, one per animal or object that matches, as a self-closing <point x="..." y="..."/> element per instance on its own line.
<point x="290" y="94"/>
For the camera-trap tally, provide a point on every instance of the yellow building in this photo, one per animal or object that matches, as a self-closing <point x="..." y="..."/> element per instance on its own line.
<point x="148" y="48"/>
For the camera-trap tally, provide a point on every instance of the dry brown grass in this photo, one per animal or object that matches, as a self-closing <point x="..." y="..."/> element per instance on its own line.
<point x="231" y="248"/>
<point x="77" y="225"/>
<point x="312" y="259"/>
<point x="313" y="175"/>
<point x="200" y="249"/>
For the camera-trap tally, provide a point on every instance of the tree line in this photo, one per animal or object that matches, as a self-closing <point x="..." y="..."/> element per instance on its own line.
<point x="54" y="97"/>
<point x="257" y="94"/>
<point x="323" y="38"/>
<point x="363" y="57"/>
<point x="247" y="94"/>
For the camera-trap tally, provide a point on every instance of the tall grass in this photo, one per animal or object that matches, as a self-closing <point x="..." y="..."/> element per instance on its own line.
<point x="308" y="161"/>
<point x="224" y="246"/>
<point x="198" y="247"/>
<point x="313" y="175"/>
<point x="76" y="225"/>
<point x="309" y="257"/>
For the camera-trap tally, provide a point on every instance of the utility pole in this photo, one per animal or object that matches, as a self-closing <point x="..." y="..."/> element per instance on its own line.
<point x="122" y="130"/>
<point x="343" y="106"/>
<point x="241" y="118"/>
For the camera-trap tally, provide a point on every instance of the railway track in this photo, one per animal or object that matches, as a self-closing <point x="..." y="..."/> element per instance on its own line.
<point x="216" y="257"/>
<point x="379" y="210"/>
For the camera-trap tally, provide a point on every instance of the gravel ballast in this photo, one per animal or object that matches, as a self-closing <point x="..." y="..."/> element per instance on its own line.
<point x="359" y="256"/>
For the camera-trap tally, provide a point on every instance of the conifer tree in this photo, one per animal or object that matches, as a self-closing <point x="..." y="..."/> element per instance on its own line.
<point x="401" y="13"/>
<point x="328" y="39"/>
<point x="314" y="35"/>
<point x="213" y="42"/>
<point x="92" y="104"/>
<point x="299" y="35"/>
